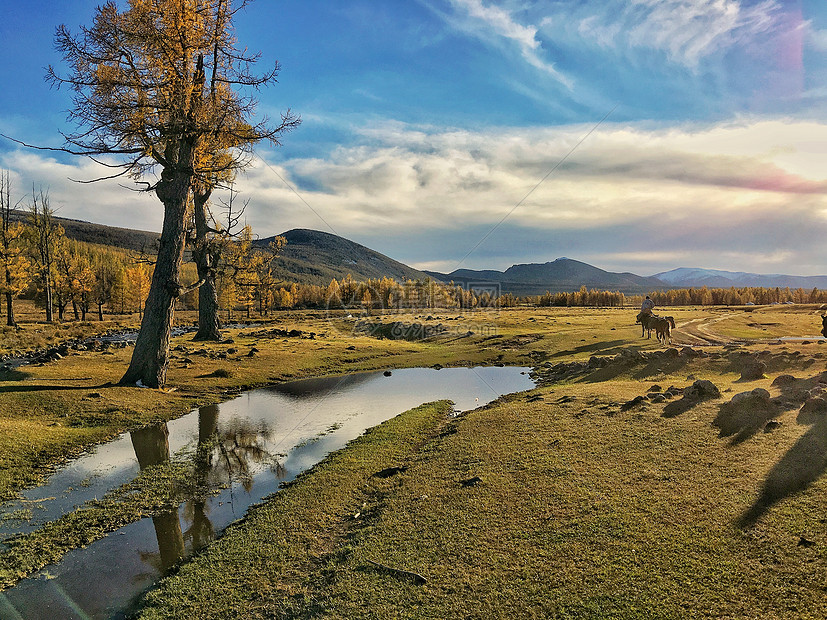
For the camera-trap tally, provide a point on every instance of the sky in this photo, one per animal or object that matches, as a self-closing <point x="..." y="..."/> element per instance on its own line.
<point x="634" y="135"/>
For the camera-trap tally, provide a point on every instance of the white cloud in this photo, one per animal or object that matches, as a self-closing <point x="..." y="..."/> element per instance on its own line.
<point x="817" y="39"/>
<point x="106" y="202"/>
<point x="495" y="23"/>
<point x="686" y="30"/>
<point x="630" y="197"/>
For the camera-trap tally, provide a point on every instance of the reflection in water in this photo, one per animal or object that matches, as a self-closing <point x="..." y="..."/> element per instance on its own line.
<point x="248" y="444"/>
<point x="152" y="448"/>
<point x="225" y="453"/>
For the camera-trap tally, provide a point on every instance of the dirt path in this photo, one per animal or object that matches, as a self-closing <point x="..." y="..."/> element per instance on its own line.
<point x="698" y="331"/>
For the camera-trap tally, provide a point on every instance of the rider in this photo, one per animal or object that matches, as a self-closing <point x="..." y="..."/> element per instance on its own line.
<point x="647" y="306"/>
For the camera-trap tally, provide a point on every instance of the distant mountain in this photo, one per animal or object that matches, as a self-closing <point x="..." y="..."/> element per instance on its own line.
<point x="88" y="232"/>
<point x="563" y="274"/>
<point x="315" y="257"/>
<point x="685" y="277"/>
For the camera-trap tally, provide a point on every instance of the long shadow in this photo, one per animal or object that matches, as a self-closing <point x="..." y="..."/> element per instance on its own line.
<point x="679" y="407"/>
<point x="803" y="464"/>
<point x="45" y="388"/>
<point x="661" y="365"/>
<point x="13" y="375"/>
<point x="590" y="348"/>
<point x="806" y="461"/>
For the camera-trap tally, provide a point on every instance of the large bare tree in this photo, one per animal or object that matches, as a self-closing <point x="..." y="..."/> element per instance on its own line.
<point x="164" y="86"/>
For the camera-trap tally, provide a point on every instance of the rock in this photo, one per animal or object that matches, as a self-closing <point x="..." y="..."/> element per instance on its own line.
<point x="814" y="406"/>
<point x="655" y="388"/>
<point x="637" y="400"/>
<point x="758" y="396"/>
<point x="771" y="426"/>
<point x="783" y="380"/>
<point x="471" y="482"/>
<point x="703" y="388"/>
<point x="390" y="471"/>
<point x="387" y="373"/>
<point x="657" y="398"/>
<point x="753" y="369"/>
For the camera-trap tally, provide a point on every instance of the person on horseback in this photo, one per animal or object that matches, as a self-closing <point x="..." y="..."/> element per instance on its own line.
<point x="645" y="314"/>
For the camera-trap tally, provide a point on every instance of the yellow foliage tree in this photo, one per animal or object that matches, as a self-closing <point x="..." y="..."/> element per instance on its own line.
<point x="14" y="266"/>
<point x="158" y="83"/>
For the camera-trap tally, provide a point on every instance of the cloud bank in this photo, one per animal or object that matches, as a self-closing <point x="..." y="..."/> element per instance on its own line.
<point x="739" y="195"/>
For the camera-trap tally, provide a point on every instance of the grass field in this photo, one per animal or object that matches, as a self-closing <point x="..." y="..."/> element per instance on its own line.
<point x="588" y="503"/>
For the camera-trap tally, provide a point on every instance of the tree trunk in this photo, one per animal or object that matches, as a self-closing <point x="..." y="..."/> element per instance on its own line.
<point x="100" y="311"/>
<point x="151" y="355"/>
<point x="209" y="323"/>
<point x="48" y="285"/>
<point x="9" y="305"/>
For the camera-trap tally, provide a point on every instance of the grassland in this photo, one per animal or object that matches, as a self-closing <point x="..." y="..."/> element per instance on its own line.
<point x="585" y="503"/>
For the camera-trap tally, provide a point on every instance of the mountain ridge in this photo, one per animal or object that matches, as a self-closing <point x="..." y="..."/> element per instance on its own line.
<point x="696" y="277"/>
<point x="316" y="257"/>
<point x="560" y="275"/>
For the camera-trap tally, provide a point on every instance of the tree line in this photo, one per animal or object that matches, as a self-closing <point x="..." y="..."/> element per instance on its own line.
<point x="38" y="261"/>
<point x="735" y="296"/>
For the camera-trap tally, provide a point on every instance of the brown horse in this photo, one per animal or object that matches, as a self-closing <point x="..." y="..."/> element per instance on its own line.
<point x="645" y="320"/>
<point x="663" y="326"/>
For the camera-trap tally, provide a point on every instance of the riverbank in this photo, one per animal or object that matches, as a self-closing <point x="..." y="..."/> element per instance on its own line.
<point x="574" y="500"/>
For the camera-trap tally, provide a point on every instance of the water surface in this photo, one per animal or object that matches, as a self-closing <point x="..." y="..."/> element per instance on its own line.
<point x="249" y="445"/>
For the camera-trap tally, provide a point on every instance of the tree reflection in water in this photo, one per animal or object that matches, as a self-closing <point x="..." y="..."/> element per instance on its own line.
<point x="151" y="446"/>
<point x="228" y="452"/>
<point x="225" y="453"/>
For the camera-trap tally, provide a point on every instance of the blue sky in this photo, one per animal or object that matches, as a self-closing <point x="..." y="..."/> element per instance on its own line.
<point x="429" y="126"/>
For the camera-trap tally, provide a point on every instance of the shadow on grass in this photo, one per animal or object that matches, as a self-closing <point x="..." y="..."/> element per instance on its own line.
<point x="45" y="388"/>
<point x="803" y="464"/>
<point x="590" y="348"/>
<point x="806" y="461"/>
<point x="661" y="365"/>
<point x="13" y="375"/>
<point x="743" y="420"/>
<point x="679" y="407"/>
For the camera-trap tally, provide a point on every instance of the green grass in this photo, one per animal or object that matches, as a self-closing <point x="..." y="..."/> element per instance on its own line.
<point x="158" y="489"/>
<point x="583" y="510"/>
<point x="262" y="563"/>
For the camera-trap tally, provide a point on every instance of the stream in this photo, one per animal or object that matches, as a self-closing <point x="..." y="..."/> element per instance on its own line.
<point x="249" y="446"/>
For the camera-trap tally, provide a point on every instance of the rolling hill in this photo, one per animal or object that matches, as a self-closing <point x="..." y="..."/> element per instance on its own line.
<point x="563" y="274"/>
<point x="125" y="238"/>
<point x="315" y="257"/>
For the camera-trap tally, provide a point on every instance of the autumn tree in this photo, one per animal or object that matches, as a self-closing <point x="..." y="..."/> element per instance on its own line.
<point x="45" y="236"/>
<point x="13" y="263"/>
<point x="162" y="85"/>
<point x="208" y="245"/>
